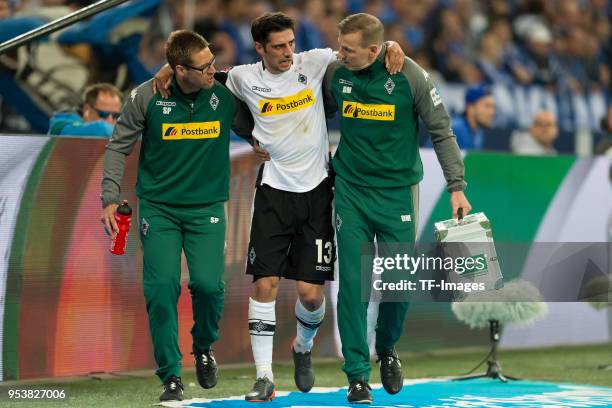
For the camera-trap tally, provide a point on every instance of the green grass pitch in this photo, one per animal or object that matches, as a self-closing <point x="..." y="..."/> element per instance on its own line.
<point x="578" y="365"/>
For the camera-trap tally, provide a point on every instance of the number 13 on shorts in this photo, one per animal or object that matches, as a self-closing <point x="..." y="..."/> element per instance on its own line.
<point x="321" y="248"/>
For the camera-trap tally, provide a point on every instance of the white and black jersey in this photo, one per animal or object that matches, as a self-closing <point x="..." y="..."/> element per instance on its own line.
<point x="289" y="118"/>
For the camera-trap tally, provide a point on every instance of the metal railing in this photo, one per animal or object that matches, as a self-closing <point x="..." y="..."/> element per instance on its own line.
<point x="58" y="24"/>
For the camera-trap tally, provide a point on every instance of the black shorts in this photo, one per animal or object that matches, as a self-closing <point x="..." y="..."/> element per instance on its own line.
<point x="292" y="235"/>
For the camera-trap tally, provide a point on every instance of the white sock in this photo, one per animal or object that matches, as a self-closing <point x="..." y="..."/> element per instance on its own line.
<point x="262" y="323"/>
<point x="307" y="325"/>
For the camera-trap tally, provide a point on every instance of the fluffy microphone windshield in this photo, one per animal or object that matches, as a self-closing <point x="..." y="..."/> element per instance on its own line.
<point x="517" y="302"/>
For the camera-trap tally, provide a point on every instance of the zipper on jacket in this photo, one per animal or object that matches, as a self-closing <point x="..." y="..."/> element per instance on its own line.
<point x="369" y="79"/>
<point x="365" y="82"/>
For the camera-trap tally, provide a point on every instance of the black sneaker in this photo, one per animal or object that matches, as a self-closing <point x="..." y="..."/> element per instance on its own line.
<point x="263" y="391"/>
<point x="303" y="373"/>
<point x="173" y="390"/>
<point x="359" y="392"/>
<point x="391" y="371"/>
<point x="206" y="368"/>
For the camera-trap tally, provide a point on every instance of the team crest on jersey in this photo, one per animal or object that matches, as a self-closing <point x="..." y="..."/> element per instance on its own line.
<point x="279" y="106"/>
<point x="347" y="89"/>
<point x="214" y="101"/>
<point x="302" y="79"/>
<point x="389" y="86"/>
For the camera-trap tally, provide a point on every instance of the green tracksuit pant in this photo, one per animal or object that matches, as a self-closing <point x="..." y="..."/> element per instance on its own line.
<point x="165" y="231"/>
<point x="363" y="213"/>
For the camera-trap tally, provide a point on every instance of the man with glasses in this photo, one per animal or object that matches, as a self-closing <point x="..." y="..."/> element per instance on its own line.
<point x="539" y="139"/>
<point x="98" y="116"/>
<point x="182" y="187"/>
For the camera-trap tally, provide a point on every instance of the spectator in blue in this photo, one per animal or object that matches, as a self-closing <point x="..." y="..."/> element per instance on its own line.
<point x="451" y="54"/>
<point x="236" y="22"/>
<point x="479" y="114"/>
<point x="542" y="65"/>
<point x="307" y="33"/>
<point x="491" y="61"/>
<point x="580" y="61"/>
<point x="98" y="116"/>
<point x="511" y="53"/>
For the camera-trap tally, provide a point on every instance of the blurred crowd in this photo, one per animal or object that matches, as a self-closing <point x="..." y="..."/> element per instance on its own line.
<point x="562" y="46"/>
<point x="555" y="43"/>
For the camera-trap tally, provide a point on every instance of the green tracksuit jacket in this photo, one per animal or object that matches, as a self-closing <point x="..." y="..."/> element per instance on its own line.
<point x="182" y="185"/>
<point x="378" y="168"/>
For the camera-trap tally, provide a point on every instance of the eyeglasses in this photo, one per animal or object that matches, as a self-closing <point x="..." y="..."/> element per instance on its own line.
<point x="204" y="68"/>
<point x="104" y="114"/>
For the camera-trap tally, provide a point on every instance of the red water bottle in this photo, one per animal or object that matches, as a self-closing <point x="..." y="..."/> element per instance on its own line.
<point x="123" y="216"/>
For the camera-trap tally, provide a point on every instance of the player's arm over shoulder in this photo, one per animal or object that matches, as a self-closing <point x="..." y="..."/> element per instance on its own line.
<point x="236" y="77"/>
<point x="320" y="56"/>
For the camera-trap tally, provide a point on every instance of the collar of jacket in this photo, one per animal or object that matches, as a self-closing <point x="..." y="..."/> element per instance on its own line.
<point x="176" y="91"/>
